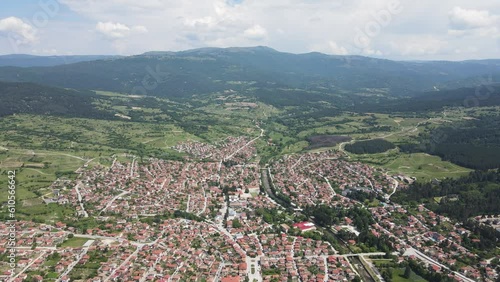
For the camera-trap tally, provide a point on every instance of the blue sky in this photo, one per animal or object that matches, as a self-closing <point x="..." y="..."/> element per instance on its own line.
<point x="394" y="29"/>
<point x="27" y="9"/>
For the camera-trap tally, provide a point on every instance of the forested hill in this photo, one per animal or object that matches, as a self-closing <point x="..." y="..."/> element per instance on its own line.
<point x="479" y="96"/>
<point x="201" y="71"/>
<point x="473" y="143"/>
<point x="38" y="99"/>
<point x="370" y="146"/>
<point x="475" y="194"/>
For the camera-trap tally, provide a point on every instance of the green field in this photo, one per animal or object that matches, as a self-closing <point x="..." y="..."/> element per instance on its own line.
<point x="403" y="129"/>
<point x="397" y="276"/>
<point x="74" y="242"/>
<point x="397" y="272"/>
<point x="420" y="165"/>
<point x="424" y="167"/>
<point x="44" y="148"/>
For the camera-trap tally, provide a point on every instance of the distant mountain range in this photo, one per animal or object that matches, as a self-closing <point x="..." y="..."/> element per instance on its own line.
<point x="251" y="71"/>
<point x="21" y="60"/>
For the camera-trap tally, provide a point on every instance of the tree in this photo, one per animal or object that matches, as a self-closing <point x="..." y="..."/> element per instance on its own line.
<point x="407" y="272"/>
<point x="237" y="224"/>
<point x="387" y="274"/>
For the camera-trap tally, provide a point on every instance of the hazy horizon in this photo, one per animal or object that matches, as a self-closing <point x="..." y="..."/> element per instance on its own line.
<point x="242" y="47"/>
<point x="388" y="29"/>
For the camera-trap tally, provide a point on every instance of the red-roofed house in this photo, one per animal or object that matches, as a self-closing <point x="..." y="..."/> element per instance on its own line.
<point x="305" y="226"/>
<point x="231" y="279"/>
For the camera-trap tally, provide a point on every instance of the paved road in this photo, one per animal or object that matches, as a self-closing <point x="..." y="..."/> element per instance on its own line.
<point x="246" y="145"/>
<point x="395" y="188"/>
<point x="132" y="168"/>
<point x="112" y="200"/>
<point x="97" y="237"/>
<point x="113" y="164"/>
<point x="204" y="202"/>
<point x="175" y="272"/>
<point x="139" y="247"/>
<point x="28" y="266"/>
<point x="85" y="214"/>
<point x="77" y="260"/>
<point x="329" y="185"/>
<point x="424" y="257"/>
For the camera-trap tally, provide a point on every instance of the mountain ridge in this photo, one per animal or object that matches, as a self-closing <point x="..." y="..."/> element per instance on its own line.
<point x="27" y="60"/>
<point x="209" y="70"/>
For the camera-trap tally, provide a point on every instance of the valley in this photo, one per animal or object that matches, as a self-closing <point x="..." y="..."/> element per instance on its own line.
<point x="263" y="179"/>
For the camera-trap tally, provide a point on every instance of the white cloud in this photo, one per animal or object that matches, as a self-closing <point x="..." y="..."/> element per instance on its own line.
<point x="490" y="32"/>
<point x="371" y="52"/>
<point x="330" y="47"/>
<point x="17" y="30"/>
<point x="336" y="49"/>
<point x="255" y="32"/>
<point x="419" y="46"/>
<point x="461" y="19"/>
<point x="205" y="22"/>
<point x="99" y="7"/>
<point x="287" y="25"/>
<point x="112" y="30"/>
<point x="473" y="23"/>
<point x="117" y="30"/>
<point x="140" y="29"/>
<point x="43" y="52"/>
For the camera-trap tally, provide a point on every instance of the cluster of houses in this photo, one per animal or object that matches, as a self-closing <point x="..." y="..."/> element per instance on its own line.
<point x="414" y="229"/>
<point x="312" y="178"/>
<point x="137" y="238"/>
<point x="231" y="148"/>
<point x="298" y="257"/>
<point x="159" y="187"/>
<point x="30" y="234"/>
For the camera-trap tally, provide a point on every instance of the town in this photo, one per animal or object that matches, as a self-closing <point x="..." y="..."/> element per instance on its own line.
<point x="217" y="215"/>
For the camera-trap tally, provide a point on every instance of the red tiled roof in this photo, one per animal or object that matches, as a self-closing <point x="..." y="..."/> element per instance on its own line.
<point x="231" y="279"/>
<point x="304" y="225"/>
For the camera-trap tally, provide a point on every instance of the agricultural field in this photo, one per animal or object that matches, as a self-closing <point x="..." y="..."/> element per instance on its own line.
<point x="398" y="129"/>
<point x="74" y="242"/>
<point x="397" y="272"/>
<point x="44" y="148"/>
<point x="425" y="167"/>
<point x="397" y="276"/>
<point x="422" y="166"/>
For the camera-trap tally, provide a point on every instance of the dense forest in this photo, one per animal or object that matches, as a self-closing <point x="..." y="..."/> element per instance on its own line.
<point x="370" y="146"/>
<point x="299" y="78"/>
<point x="31" y="98"/>
<point x="461" y="199"/>
<point x="423" y="102"/>
<point x="474" y="144"/>
<point x="475" y="194"/>
<point x="318" y="141"/>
